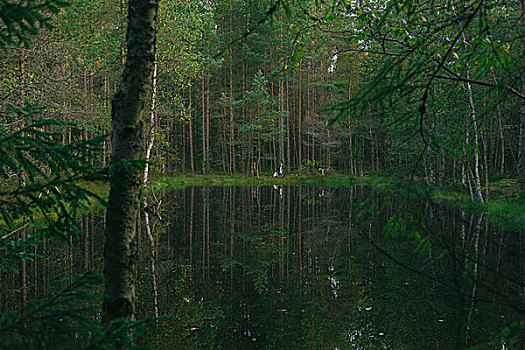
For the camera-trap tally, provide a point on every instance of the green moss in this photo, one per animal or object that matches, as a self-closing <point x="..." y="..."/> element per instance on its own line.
<point x="243" y="180"/>
<point x="510" y="214"/>
<point x="505" y="206"/>
<point x="449" y="196"/>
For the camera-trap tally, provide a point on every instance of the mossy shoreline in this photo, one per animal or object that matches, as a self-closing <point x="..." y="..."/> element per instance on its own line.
<point x="167" y="183"/>
<point x="505" y="205"/>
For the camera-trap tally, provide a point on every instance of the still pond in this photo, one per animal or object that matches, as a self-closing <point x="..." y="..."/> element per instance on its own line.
<point x="305" y="267"/>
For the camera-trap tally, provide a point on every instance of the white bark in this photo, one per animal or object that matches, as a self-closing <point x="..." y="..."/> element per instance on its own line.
<point x="477" y="179"/>
<point x="149" y="147"/>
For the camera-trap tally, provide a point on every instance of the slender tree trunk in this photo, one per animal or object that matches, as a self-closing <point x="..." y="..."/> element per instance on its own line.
<point x="151" y="134"/>
<point x="224" y="147"/>
<point x="288" y="148"/>
<point x="149" y="146"/>
<point x="486" y="163"/>
<point x="477" y="177"/>
<point x="127" y="110"/>
<point x="501" y="128"/>
<point x="203" y="127"/>
<point x="183" y="146"/>
<point x="22" y="275"/>
<point x="501" y="134"/>
<point x="247" y="152"/>
<point x="299" y="120"/>
<point x="281" y="96"/>
<point x="232" y="130"/>
<point x="190" y="132"/>
<point x="521" y="152"/>
<point x="208" y="123"/>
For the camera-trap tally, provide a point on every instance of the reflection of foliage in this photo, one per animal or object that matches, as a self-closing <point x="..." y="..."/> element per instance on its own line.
<point x="406" y="220"/>
<point x="305" y="275"/>
<point x="66" y="319"/>
<point x="263" y="254"/>
<point x="187" y="321"/>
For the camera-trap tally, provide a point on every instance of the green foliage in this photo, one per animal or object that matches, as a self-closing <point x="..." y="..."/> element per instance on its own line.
<point x="510" y="336"/>
<point x="41" y="197"/>
<point x="170" y="183"/>
<point x="41" y="186"/>
<point x="68" y="318"/>
<point x="95" y="34"/>
<point x="431" y="72"/>
<point x="508" y="213"/>
<point x="21" y="19"/>
<point x="263" y="110"/>
<point x="181" y="51"/>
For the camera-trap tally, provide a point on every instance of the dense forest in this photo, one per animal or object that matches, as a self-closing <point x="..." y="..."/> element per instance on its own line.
<point x="119" y="92"/>
<point x="239" y="89"/>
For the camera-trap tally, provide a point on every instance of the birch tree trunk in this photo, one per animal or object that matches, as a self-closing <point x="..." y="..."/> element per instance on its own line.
<point x="475" y="176"/>
<point x="145" y="210"/>
<point x="127" y="109"/>
<point x="153" y="121"/>
<point x="477" y="179"/>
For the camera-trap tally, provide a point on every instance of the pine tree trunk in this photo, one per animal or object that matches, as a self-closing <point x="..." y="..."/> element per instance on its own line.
<point x="232" y="130"/>
<point x="208" y="123"/>
<point x="288" y="148"/>
<point x="521" y="152"/>
<point x="299" y="120"/>
<point x="203" y="127"/>
<point x="190" y="132"/>
<point x="127" y="110"/>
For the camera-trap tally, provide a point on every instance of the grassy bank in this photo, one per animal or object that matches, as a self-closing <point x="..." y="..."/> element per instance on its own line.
<point x="505" y="205"/>
<point x="166" y="183"/>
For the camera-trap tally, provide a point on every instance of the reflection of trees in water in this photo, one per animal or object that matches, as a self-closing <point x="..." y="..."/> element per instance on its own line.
<point x="57" y="261"/>
<point x="461" y="286"/>
<point x="248" y="268"/>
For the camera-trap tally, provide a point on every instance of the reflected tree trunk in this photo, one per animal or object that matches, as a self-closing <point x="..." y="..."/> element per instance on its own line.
<point x="522" y="280"/>
<point x="474" y="261"/>
<point x="22" y="278"/>
<point x="192" y="210"/>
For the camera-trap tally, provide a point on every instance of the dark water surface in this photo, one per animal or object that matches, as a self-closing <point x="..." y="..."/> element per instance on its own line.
<point x="312" y="268"/>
